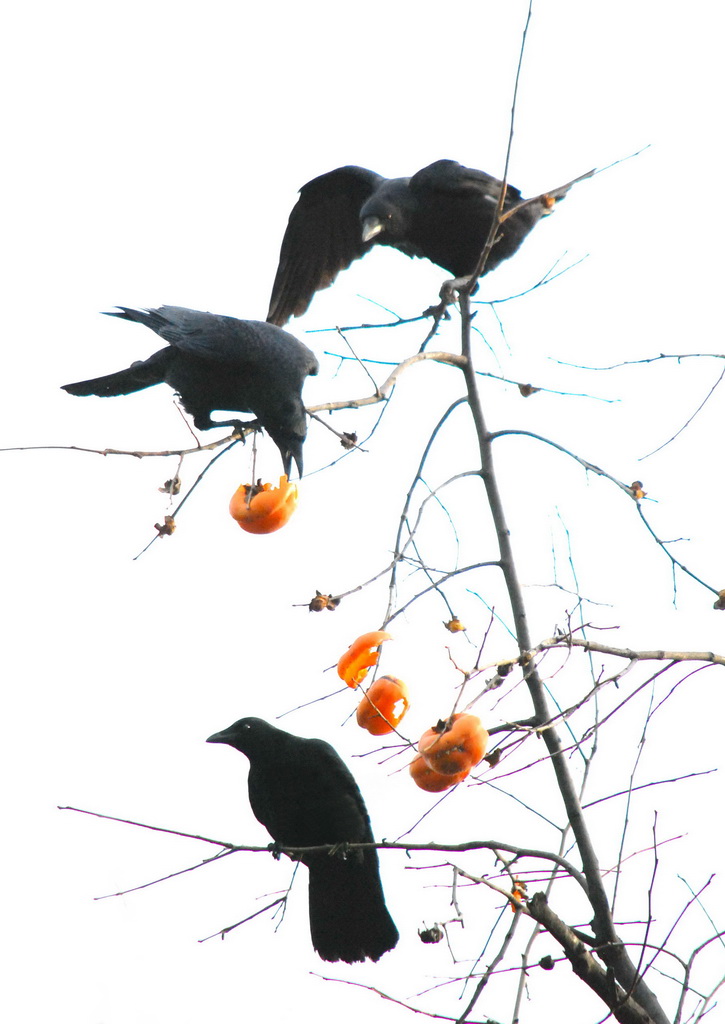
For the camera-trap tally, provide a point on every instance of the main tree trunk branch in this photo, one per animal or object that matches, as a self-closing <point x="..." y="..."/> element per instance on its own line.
<point x="609" y="947"/>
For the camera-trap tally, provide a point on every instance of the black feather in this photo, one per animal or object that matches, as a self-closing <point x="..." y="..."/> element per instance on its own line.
<point x="219" y="362"/>
<point x="304" y="795"/>
<point x="443" y="213"/>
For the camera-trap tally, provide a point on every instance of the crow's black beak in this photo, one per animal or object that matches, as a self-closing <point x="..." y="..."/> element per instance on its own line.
<point x="218" y="737"/>
<point x="288" y="456"/>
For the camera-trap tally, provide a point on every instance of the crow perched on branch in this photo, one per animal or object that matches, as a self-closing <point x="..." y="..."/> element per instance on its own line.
<point x="443" y="213"/>
<point x="304" y="795"/>
<point x="219" y="362"/>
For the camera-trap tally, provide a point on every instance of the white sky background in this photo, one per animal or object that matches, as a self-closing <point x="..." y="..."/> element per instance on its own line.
<point x="152" y="155"/>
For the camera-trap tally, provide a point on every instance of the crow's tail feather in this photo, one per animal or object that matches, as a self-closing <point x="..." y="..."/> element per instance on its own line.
<point x="140" y="375"/>
<point x="348" y="917"/>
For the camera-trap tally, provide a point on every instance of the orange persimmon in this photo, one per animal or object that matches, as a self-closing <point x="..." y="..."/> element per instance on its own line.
<point x="431" y="781"/>
<point x="383" y="705"/>
<point x="360" y="656"/>
<point x="262" y="508"/>
<point x="454" y="745"/>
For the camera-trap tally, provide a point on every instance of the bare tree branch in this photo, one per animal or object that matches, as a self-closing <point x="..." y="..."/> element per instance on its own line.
<point x="627" y="653"/>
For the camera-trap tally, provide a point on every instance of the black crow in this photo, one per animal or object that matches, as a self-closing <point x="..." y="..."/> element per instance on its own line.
<point x="443" y="213"/>
<point x="304" y="795"/>
<point x="219" y="362"/>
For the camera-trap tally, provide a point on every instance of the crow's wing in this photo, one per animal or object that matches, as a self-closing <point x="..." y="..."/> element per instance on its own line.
<point x="240" y="344"/>
<point x="323" y="237"/>
<point x="304" y="794"/>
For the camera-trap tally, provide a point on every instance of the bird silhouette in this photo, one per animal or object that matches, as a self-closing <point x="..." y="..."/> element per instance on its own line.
<point x="218" y="362"/>
<point x="444" y="213"/>
<point x="304" y="795"/>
